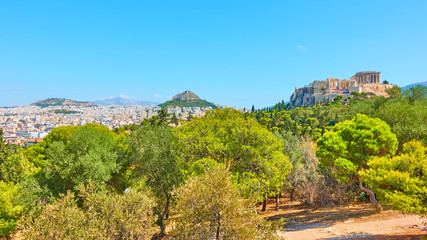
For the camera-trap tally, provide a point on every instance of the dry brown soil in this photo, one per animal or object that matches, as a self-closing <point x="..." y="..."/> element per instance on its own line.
<point x="358" y="221"/>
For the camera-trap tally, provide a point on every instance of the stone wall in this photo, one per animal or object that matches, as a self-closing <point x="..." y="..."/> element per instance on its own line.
<point x="378" y="89"/>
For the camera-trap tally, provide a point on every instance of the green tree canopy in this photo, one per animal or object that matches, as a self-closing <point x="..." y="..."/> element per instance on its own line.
<point x="406" y="114"/>
<point x="62" y="134"/>
<point x="36" y="153"/>
<point x="4" y="152"/>
<point x="407" y="120"/>
<point x="401" y="180"/>
<point x="415" y="94"/>
<point x="90" y="154"/>
<point x="352" y="143"/>
<point x="253" y="153"/>
<point x="16" y="167"/>
<point x="10" y="210"/>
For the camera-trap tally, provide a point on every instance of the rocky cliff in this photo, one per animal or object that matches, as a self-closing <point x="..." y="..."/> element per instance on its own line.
<point x="322" y="92"/>
<point x="186" y="95"/>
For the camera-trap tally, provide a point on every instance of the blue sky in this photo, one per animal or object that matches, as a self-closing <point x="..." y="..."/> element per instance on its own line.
<point x="234" y="53"/>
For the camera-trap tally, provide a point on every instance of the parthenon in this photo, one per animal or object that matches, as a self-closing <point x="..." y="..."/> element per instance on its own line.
<point x="323" y="91"/>
<point x="366" y="77"/>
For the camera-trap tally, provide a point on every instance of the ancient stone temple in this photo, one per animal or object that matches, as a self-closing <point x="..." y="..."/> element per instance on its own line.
<point x="324" y="91"/>
<point x="366" y="77"/>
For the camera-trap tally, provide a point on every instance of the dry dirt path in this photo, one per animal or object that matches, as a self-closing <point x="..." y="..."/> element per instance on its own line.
<point x="352" y="222"/>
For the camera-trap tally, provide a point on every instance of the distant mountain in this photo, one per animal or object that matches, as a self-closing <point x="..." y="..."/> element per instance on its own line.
<point x="124" y="102"/>
<point x="414" y="85"/>
<point x="61" y="102"/>
<point x="187" y="99"/>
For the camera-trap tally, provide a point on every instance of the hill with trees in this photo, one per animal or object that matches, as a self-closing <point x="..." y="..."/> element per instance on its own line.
<point x="187" y="99"/>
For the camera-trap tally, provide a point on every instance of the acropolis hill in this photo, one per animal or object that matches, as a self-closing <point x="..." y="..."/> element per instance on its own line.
<point x="319" y="91"/>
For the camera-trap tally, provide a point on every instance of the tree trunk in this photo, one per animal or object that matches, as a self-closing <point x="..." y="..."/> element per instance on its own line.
<point x="218" y="228"/>
<point x="264" y="205"/>
<point x="162" y="229"/>
<point x="160" y="223"/>
<point x="372" y="198"/>
<point x="277" y="202"/>
<point x="292" y="197"/>
<point x="166" y="211"/>
<point x="163" y="216"/>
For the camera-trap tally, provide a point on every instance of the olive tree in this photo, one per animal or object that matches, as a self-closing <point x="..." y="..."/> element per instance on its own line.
<point x="152" y="156"/>
<point x="210" y="207"/>
<point x="103" y="215"/>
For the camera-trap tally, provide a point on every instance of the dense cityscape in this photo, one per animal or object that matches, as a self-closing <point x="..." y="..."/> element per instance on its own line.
<point x="26" y="125"/>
